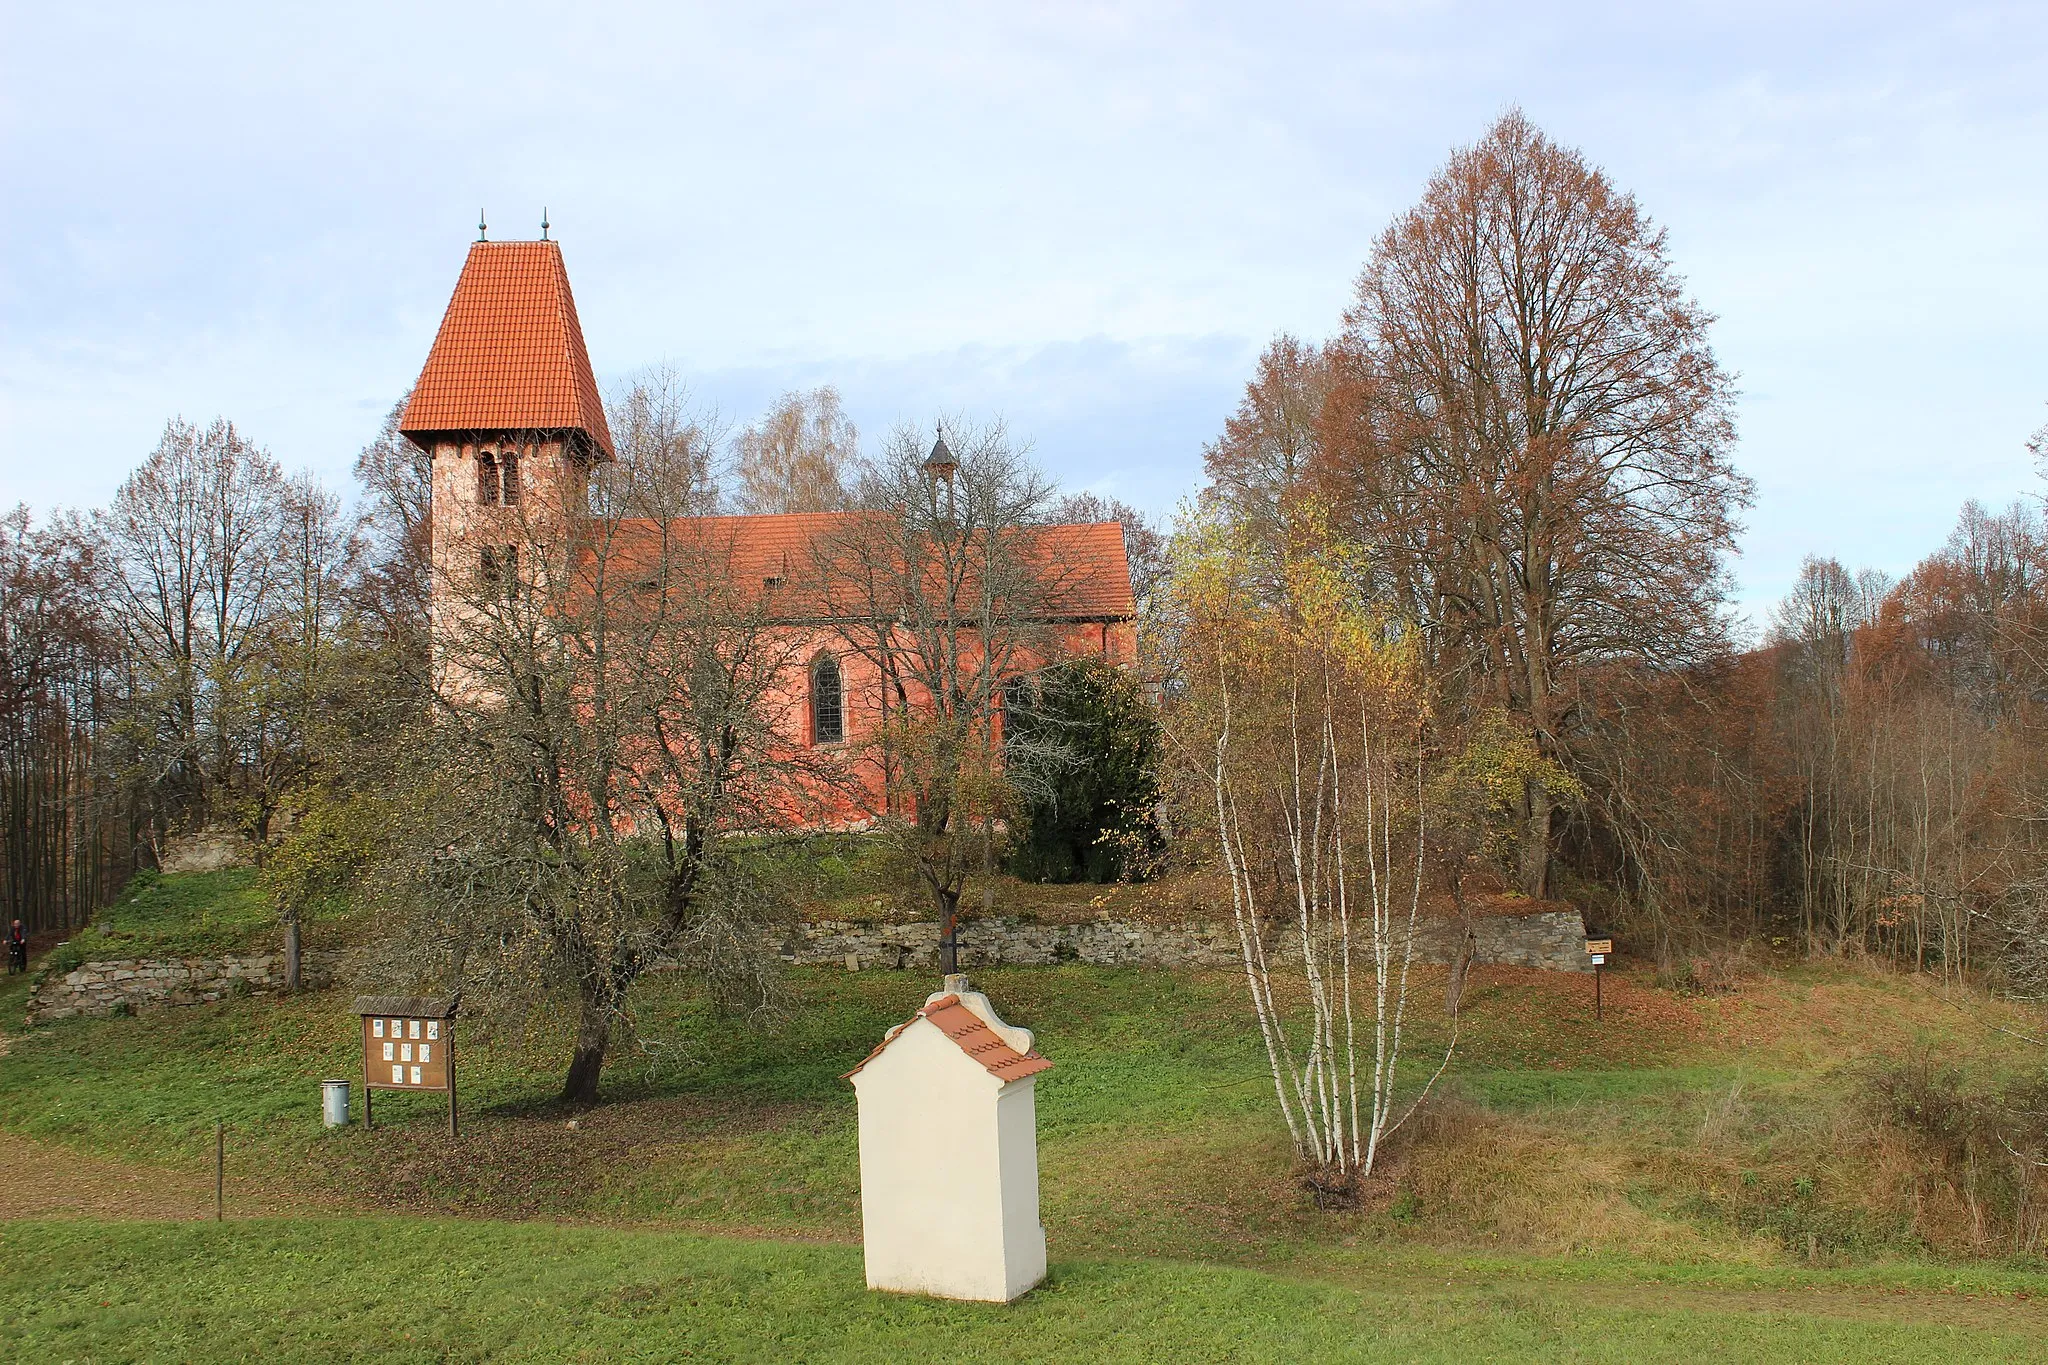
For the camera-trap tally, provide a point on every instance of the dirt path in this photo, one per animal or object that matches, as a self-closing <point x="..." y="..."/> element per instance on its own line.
<point x="45" y="1180"/>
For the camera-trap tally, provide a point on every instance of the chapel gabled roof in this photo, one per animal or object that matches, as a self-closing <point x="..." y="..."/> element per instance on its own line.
<point x="509" y="355"/>
<point x="972" y="1035"/>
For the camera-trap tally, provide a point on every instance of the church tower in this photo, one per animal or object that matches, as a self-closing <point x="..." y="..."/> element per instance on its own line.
<point x="508" y="408"/>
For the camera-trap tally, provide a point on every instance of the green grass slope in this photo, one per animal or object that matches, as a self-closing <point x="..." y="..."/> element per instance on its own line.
<point x="1691" y="1169"/>
<point x="411" y="1290"/>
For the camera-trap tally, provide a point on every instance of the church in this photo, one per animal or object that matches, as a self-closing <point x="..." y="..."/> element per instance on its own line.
<point x="508" y="407"/>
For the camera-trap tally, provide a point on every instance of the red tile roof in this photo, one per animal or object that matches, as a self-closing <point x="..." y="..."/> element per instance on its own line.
<point x="1093" y="573"/>
<point x="1087" y="575"/>
<point x="509" y="355"/>
<point x="972" y="1036"/>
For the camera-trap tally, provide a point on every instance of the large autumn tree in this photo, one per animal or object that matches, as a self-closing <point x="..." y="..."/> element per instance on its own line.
<point x="1525" y="425"/>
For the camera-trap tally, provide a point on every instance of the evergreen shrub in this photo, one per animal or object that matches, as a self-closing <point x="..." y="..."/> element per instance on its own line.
<point x="1091" y="818"/>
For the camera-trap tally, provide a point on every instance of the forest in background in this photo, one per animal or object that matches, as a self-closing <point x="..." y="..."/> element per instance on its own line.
<point x="1518" y="450"/>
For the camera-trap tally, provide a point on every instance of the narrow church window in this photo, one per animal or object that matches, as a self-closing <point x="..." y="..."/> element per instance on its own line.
<point x="486" y="480"/>
<point x="487" y="565"/>
<point x="828" y="702"/>
<point x="508" y="467"/>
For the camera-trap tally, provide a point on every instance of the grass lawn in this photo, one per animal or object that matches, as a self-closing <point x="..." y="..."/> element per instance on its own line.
<point x="1680" y="1129"/>
<point x="196" y="915"/>
<point x="405" y="1289"/>
<point x="1692" y="1170"/>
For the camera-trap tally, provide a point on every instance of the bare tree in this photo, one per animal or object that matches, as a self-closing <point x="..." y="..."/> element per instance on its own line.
<point x="797" y="457"/>
<point x="944" y="589"/>
<point x="192" y="540"/>
<point x="397" y="479"/>
<point x="1531" y="435"/>
<point x="655" y="424"/>
<point x="318" y="553"/>
<point x="1271" y="447"/>
<point x="1144" y="543"/>
<point x="610" y="748"/>
<point x="67" y="840"/>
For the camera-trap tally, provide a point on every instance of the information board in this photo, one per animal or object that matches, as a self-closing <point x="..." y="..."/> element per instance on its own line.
<point x="408" y="1044"/>
<point x="403" y="1052"/>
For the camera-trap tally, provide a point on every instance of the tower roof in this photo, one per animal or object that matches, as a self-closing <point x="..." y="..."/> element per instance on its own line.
<point x="509" y="355"/>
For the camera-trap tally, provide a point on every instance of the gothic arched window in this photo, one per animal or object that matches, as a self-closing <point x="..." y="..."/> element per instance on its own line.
<point x="828" y="701"/>
<point x="508" y="471"/>
<point x="486" y="479"/>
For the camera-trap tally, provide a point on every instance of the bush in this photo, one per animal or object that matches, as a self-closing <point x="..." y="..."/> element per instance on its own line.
<point x="66" y="956"/>
<point x="320" y="863"/>
<point x="1990" y="1140"/>
<point x="1094" y="821"/>
<point x="1930" y="1100"/>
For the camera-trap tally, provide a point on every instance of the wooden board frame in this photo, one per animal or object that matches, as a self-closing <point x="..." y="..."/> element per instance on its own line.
<point x="405" y="1025"/>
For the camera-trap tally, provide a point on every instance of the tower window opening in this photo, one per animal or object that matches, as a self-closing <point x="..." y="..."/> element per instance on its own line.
<point x="486" y="480"/>
<point x="828" y="702"/>
<point x="498" y="565"/>
<point x="508" y="469"/>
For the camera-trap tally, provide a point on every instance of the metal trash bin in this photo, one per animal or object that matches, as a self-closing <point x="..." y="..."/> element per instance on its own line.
<point x="334" y="1103"/>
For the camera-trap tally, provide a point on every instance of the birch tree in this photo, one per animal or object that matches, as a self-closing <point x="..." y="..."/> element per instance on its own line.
<point x="798" y="457"/>
<point x="1304" y="713"/>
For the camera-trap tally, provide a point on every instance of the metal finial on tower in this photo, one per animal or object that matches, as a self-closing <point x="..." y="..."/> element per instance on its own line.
<point x="543" y="222"/>
<point x="480" y="226"/>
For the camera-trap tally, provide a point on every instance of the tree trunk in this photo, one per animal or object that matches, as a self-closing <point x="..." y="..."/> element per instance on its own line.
<point x="593" y="1033"/>
<point x="1454" y="990"/>
<point x="291" y="953"/>
<point x="949" y="932"/>
<point x="1532" y="862"/>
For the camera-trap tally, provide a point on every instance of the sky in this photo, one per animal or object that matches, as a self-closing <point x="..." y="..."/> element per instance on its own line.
<point x="1084" y="219"/>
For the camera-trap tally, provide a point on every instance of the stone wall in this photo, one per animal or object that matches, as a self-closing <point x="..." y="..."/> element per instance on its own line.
<point x="96" y="989"/>
<point x="1553" y="940"/>
<point x="207" y="850"/>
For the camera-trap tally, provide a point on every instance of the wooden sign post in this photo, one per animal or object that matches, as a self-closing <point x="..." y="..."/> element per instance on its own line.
<point x="1599" y="948"/>
<point x="408" y="1044"/>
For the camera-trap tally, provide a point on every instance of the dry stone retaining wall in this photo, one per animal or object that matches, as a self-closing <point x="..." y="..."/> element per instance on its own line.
<point x="1554" y="940"/>
<point x="96" y="989"/>
<point x="207" y="850"/>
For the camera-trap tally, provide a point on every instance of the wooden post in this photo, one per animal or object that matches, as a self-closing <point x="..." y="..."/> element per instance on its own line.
<point x="220" y="1159"/>
<point x="1598" y="949"/>
<point x="449" y="1044"/>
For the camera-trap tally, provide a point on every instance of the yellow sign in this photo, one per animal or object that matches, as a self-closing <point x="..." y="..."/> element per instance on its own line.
<point x="1599" y="945"/>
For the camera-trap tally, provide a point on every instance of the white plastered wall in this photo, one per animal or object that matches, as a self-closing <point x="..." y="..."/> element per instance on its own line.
<point x="948" y="1173"/>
